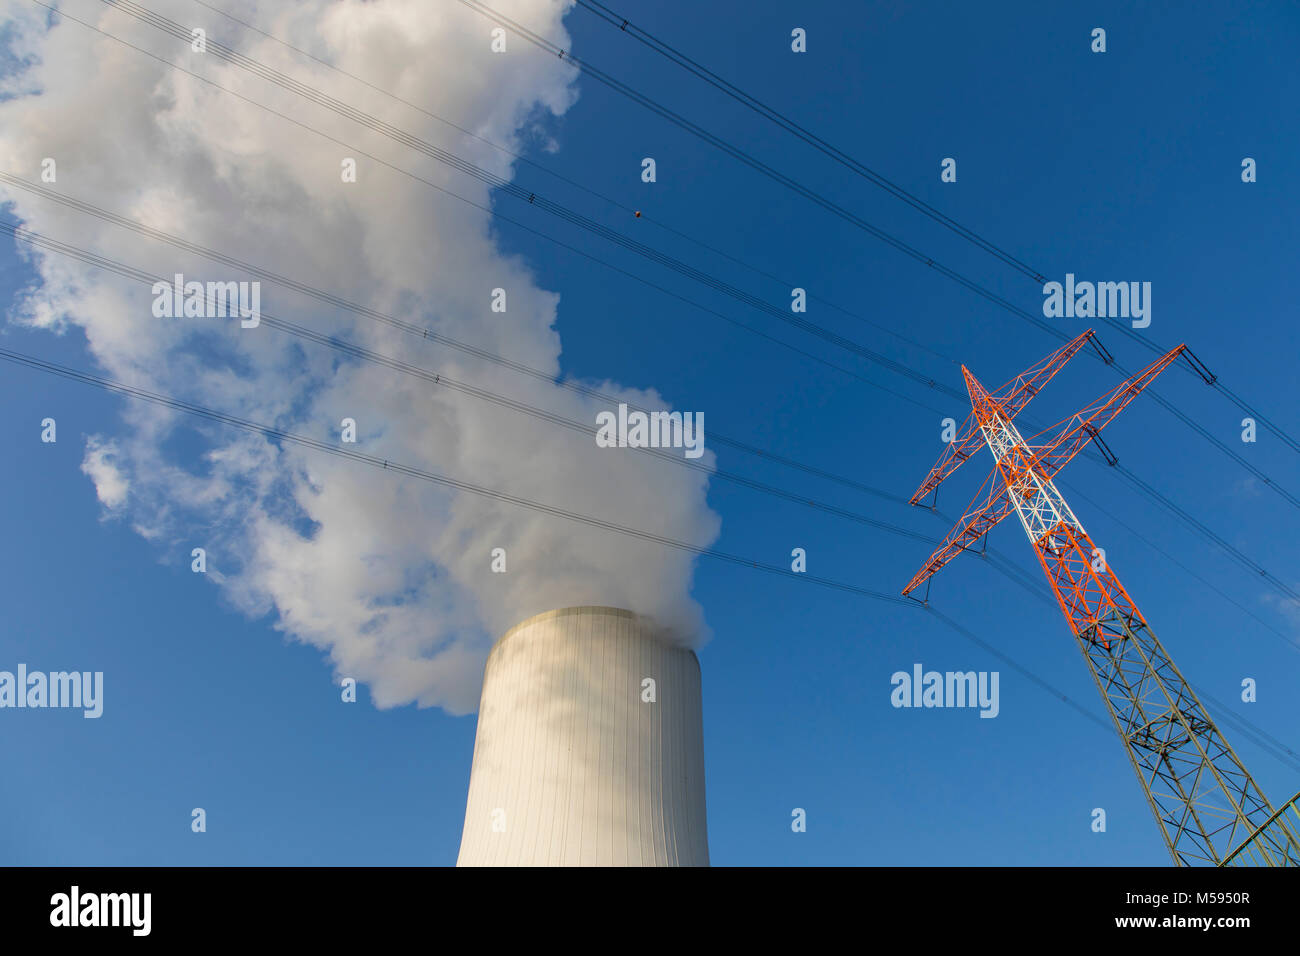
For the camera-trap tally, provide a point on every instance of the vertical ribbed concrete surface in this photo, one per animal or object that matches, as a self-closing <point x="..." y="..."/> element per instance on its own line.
<point x="571" y="766"/>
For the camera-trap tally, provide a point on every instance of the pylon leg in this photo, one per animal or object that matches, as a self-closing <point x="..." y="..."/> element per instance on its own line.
<point x="1200" y="793"/>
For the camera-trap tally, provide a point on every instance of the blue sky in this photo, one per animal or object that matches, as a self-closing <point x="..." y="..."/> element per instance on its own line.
<point x="1117" y="166"/>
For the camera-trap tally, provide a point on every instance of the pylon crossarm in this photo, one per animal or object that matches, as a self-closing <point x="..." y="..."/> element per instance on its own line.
<point x="1017" y="393"/>
<point x="968" y="441"/>
<point x="1011" y="399"/>
<point x="994" y="506"/>
<point x="1085" y="425"/>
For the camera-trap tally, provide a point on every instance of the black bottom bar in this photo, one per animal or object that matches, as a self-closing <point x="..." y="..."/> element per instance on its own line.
<point x="439" y="907"/>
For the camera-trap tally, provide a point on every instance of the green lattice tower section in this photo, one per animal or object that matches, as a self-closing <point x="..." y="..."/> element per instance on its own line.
<point x="1268" y="845"/>
<point x="1204" y="799"/>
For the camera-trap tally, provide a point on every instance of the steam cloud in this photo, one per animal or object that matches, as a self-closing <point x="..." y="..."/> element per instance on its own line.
<point x="391" y="576"/>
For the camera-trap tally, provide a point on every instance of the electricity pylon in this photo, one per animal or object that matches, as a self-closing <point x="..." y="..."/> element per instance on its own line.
<point x="1207" y="804"/>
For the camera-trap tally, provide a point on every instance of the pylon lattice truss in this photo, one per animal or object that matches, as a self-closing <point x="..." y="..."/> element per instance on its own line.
<point x="1207" y="804"/>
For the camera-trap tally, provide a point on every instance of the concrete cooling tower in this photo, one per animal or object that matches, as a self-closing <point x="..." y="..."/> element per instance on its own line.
<point x="590" y="747"/>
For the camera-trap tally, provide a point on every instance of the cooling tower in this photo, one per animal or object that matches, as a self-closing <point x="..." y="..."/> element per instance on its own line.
<point x="590" y="747"/>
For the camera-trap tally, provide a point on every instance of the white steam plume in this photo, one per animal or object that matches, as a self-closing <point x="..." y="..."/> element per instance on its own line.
<point x="391" y="576"/>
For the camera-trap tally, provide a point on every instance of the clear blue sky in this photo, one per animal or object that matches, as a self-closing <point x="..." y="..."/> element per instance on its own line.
<point x="1117" y="166"/>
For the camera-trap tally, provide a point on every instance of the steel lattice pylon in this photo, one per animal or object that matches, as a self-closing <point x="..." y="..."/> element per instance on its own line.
<point x="1205" y="801"/>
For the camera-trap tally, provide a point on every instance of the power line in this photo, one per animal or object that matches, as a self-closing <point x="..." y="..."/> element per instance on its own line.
<point x="247" y="63"/>
<point x="512" y="188"/>
<point x="1244" y="561"/>
<point x="683" y="123"/>
<point x="1252" y="732"/>
<point x="1003" y="566"/>
<point x="756" y="164"/>
<point x="665" y="49"/>
<point x="970" y="636"/>
<point x="429" y="334"/>
<point x="790" y="126"/>
<point x="279" y="434"/>
<point x="1255" y="734"/>
<point x="753" y="103"/>
<point x="496" y="214"/>
<point x="1076" y="493"/>
<point x="439" y="379"/>
<point x="156" y="398"/>
<point x="402" y="469"/>
<point x="582" y="187"/>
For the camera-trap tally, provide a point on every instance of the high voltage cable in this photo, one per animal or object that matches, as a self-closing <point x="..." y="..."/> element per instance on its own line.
<point x="1216" y="384"/>
<point x="1076" y="493"/>
<point x="156" y="398"/>
<point x="429" y="334"/>
<point x="840" y="211"/>
<point x="753" y="103"/>
<point x="402" y="470"/>
<point x="281" y="435"/>
<point x="168" y="26"/>
<point x="1002" y="565"/>
<point x="1204" y="433"/>
<point x="1246" y="562"/>
<point x="1005" y="567"/>
<point x="744" y="157"/>
<point x="971" y="636"/>
<point x="917" y="376"/>
<point x="790" y="126"/>
<point x="1252" y="732"/>
<point x="376" y="358"/>
<point x="253" y="66"/>
<point x="286" y="82"/>
<point x="793" y="127"/>
<point x="278" y="434"/>
<point x="575" y="184"/>
<point x="1257" y="735"/>
<point x="757" y="106"/>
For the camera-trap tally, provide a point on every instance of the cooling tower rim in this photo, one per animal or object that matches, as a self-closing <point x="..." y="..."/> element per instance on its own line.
<point x="602" y="609"/>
